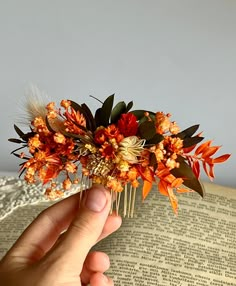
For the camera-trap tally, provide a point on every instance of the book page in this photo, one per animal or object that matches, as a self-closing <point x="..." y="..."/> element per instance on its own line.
<point x="14" y="224"/>
<point x="197" y="247"/>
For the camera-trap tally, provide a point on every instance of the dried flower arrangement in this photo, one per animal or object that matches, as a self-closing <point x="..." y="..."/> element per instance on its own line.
<point x="117" y="147"/>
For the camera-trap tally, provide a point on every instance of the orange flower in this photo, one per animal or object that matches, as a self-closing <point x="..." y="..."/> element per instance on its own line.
<point x="75" y="122"/>
<point x="114" y="184"/>
<point x="162" y="122"/>
<point x="67" y="184"/>
<point x="65" y="103"/>
<point x="50" y="106"/>
<point x="34" y="143"/>
<point x="111" y="131"/>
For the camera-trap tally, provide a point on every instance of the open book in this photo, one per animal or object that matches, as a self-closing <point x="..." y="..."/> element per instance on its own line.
<point x="195" y="248"/>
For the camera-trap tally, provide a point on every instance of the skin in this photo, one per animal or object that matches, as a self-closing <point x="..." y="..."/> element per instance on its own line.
<point x="55" y="248"/>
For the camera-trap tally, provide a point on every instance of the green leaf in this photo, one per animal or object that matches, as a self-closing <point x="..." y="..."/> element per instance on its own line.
<point x="106" y="111"/>
<point x="147" y="130"/>
<point x="188" y="132"/>
<point x="98" y="115"/>
<point x="153" y="161"/>
<point x="186" y="173"/>
<point x="18" y="131"/>
<point x="157" y="138"/>
<point x="28" y="135"/>
<point x="119" y="109"/>
<point x="140" y="113"/>
<point x="129" y="106"/>
<point x="75" y="106"/>
<point x="90" y="122"/>
<point x="12" y="152"/>
<point x="15" y="140"/>
<point x="190" y="141"/>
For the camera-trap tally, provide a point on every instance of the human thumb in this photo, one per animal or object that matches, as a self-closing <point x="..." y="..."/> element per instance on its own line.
<point x="84" y="230"/>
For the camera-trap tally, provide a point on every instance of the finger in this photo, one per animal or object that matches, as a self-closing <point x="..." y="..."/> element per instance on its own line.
<point x="34" y="243"/>
<point x="95" y="262"/>
<point x="84" y="230"/>
<point x="100" y="279"/>
<point x="53" y="221"/>
<point x="113" y="222"/>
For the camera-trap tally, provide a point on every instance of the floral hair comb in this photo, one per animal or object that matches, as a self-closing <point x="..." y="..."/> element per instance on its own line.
<point x="117" y="147"/>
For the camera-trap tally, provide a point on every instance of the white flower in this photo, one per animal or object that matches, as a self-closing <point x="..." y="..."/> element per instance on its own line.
<point x="130" y="148"/>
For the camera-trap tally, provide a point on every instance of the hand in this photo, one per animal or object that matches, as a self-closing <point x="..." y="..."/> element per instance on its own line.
<point x="43" y="256"/>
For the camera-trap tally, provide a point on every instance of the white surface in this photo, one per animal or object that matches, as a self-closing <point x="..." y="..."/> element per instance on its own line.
<point x="175" y="56"/>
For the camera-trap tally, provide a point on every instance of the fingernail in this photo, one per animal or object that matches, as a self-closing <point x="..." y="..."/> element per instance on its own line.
<point x="96" y="199"/>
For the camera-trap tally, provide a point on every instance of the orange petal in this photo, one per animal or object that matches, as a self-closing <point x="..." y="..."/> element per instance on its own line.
<point x="51" y="173"/>
<point x="147" y="186"/>
<point x="173" y="200"/>
<point x="147" y="182"/>
<point x="203" y="147"/>
<point x="189" y="149"/>
<point x="208" y="172"/>
<point x="176" y="183"/>
<point x="211" y="171"/>
<point x="196" y="168"/>
<point x="184" y="190"/>
<point x="162" y="187"/>
<point x="221" y="159"/>
<point x="210" y="151"/>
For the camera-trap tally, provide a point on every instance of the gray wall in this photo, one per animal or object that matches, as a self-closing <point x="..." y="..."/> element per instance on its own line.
<point x="174" y="56"/>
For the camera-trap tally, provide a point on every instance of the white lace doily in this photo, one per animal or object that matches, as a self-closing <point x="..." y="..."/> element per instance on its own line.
<point x="15" y="192"/>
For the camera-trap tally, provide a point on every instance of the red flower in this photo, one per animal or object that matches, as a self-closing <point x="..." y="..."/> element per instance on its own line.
<point x="128" y="124"/>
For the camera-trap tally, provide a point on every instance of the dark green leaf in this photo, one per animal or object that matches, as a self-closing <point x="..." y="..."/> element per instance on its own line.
<point x="90" y="121"/>
<point x="28" y="135"/>
<point x="157" y="138"/>
<point x="75" y="106"/>
<point x="18" y="131"/>
<point x="186" y="173"/>
<point x="153" y="161"/>
<point x="188" y="132"/>
<point x="129" y="106"/>
<point x="117" y="111"/>
<point x="147" y="130"/>
<point x="12" y="152"/>
<point x="106" y="111"/>
<point x="15" y="140"/>
<point x="98" y="115"/>
<point x="190" y="141"/>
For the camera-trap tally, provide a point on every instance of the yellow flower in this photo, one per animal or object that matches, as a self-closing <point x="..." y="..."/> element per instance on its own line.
<point x="123" y="166"/>
<point x="131" y="148"/>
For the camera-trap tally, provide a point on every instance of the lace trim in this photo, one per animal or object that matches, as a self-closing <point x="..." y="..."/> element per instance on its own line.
<point x="15" y="192"/>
